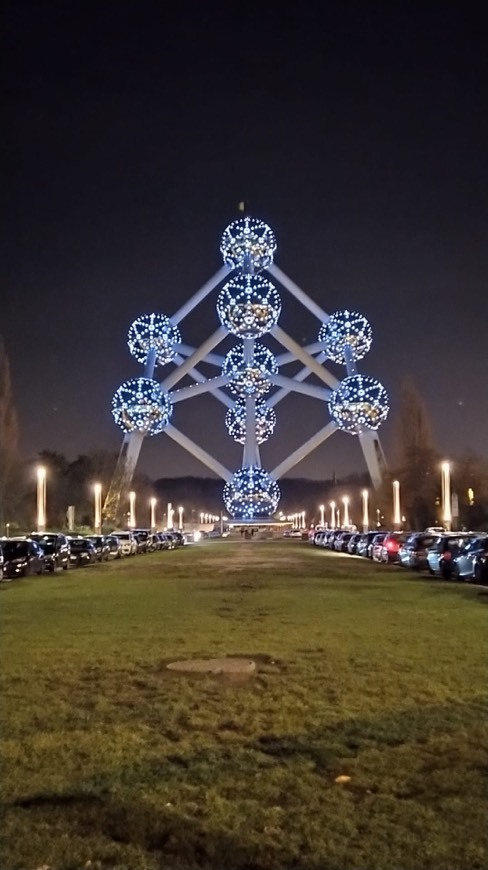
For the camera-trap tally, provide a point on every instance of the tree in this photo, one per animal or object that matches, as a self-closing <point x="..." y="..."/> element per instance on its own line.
<point x="9" y="443"/>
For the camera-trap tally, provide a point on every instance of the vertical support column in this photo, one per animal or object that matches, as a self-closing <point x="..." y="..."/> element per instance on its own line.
<point x="250" y="453"/>
<point x="374" y="456"/>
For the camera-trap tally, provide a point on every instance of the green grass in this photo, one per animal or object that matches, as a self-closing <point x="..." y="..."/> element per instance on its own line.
<point x="363" y="671"/>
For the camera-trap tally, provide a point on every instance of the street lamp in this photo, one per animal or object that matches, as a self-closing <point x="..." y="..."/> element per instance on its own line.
<point x="153" y="503"/>
<point x="446" y="495"/>
<point x="97" y="495"/>
<point x="303" y="519"/>
<point x="41" y="498"/>
<point x="332" y="515"/>
<point x="132" y="510"/>
<point x="170" y="515"/>
<point x="365" y="497"/>
<point x="322" y="514"/>
<point x="346" y="521"/>
<point x="397" y="514"/>
<point x="180" y="518"/>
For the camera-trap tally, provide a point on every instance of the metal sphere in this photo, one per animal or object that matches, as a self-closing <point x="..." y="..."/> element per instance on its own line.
<point x="346" y="329"/>
<point x="251" y="493"/>
<point x="265" y="417"/>
<point x="359" y="404"/>
<point x="249" y="306"/>
<point x="140" y="405"/>
<point x="153" y="332"/>
<point x="248" y="244"/>
<point x="250" y="378"/>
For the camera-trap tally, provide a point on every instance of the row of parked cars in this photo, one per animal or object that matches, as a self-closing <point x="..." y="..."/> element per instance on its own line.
<point x="449" y="555"/>
<point x="40" y="553"/>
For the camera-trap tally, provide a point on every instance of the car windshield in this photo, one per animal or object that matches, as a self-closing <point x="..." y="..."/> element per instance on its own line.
<point x="14" y="549"/>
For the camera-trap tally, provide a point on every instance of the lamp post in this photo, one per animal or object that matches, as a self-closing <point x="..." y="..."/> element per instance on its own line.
<point x="332" y="515"/>
<point x="41" y="498"/>
<point x="365" y="498"/>
<point x="180" y="519"/>
<point x="302" y="519"/>
<point x="97" y="496"/>
<point x="346" y="521"/>
<point x="322" y="514"/>
<point x="446" y="495"/>
<point x="153" y="503"/>
<point x="170" y="512"/>
<point x="397" y="514"/>
<point x="132" y="510"/>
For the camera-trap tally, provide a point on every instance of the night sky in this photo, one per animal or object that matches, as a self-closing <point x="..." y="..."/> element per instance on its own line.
<point x="132" y="131"/>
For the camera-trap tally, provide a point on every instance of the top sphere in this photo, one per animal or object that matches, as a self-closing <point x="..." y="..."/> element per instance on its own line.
<point x="248" y="244"/>
<point x="346" y="329"/>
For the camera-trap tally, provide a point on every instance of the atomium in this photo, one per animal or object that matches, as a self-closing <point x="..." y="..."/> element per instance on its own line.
<point x="358" y="404"/>
<point x="265" y="421"/>
<point x="153" y="332"/>
<point x="249" y="306"/>
<point x="140" y="405"/>
<point x="250" y="378"/>
<point x="251" y="493"/>
<point x="248" y="244"/>
<point x="346" y="329"/>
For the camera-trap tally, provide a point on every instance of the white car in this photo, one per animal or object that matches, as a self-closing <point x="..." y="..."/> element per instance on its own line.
<point x="127" y="542"/>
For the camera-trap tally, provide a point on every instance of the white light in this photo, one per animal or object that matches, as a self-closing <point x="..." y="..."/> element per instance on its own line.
<point x="332" y="514"/>
<point x="180" y="518"/>
<point x="41" y="498"/>
<point x="446" y="494"/>
<point x="322" y="514"/>
<point x="365" y="498"/>
<point x="397" y="514"/>
<point x="97" y="493"/>
<point x="153" y="502"/>
<point x="345" y="502"/>
<point x="132" y="510"/>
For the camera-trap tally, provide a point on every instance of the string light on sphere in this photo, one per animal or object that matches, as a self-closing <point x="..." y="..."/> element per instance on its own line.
<point x="140" y="405"/>
<point x="358" y="404"/>
<point x="249" y="306"/>
<point x="346" y="328"/>
<point x="153" y="332"/>
<point x="248" y="244"/>
<point x="251" y="493"/>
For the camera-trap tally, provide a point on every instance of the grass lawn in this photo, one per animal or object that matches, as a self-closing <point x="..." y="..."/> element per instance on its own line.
<point x="109" y="760"/>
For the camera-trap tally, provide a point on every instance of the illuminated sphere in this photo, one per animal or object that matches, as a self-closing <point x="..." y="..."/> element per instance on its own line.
<point x="153" y="332"/>
<point x="250" y="378"/>
<point x="346" y="328"/>
<point x="358" y="404"/>
<point x="248" y="245"/>
<point x="140" y="405"/>
<point x="251" y="493"/>
<point x="249" y="306"/>
<point x="235" y="420"/>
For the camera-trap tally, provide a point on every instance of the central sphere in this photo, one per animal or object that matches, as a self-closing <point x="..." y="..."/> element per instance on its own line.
<point x="250" y="378"/>
<point x="251" y="493"/>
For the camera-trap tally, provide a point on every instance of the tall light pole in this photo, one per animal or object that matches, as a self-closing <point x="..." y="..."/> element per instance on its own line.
<point x="132" y="510"/>
<point x="180" y="518"/>
<point x="365" y="499"/>
<point x="345" y="502"/>
<point x="97" y="496"/>
<point x="446" y="495"/>
<point x="41" y="498"/>
<point x="170" y="515"/>
<point x="397" y="514"/>
<point x="303" y="519"/>
<point x="322" y="514"/>
<point x="153" y="503"/>
<point x="332" y="515"/>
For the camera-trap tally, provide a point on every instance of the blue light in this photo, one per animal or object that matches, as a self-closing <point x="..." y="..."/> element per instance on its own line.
<point x="251" y="493"/>
<point x="249" y="306"/>
<point x="140" y="405"/>
<point x="358" y="404"/>
<point x="248" y="244"/>
<point x="250" y="378"/>
<point x="153" y="332"/>
<point x="346" y="328"/>
<point x="265" y="417"/>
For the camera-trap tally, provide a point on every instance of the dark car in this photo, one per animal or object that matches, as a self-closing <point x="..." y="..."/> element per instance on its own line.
<point x="376" y="546"/>
<point x="413" y="551"/>
<point x="114" y="547"/>
<point x="166" y="540"/>
<point x="56" y="550"/>
<point x="82" y="552"/>
<point x="362" y="547"/>
<point x="22" y="557"/>
<point x="471" y="559"/>
<point x="353" y="543"/>
<point x="142" y="540"/>
<point x="341" y="542"/>
<point x="102" y="548"/>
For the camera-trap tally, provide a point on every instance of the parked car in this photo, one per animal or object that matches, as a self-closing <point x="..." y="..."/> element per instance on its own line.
<point x="128" y="543"/>
<point x="353" y="543"/>
<point x="167" y="542"/>
<point x="55" y="547"/>
<point x="341" y="541"/>
<point x="102" y="547"/>
<point x="21" y="558"/>
<point x="362" y="547"/>
<point x="142" y="539"/>
<point x="1" y="561"/>
<point x="472" y="557"/>
<point x="391" y="545"/>
<point x="444" y="550"/>
<point x="376" y="546"/>
<point x="114" y="547"/>
<point x="82" y="552"/>
<point x="413" y="552"/>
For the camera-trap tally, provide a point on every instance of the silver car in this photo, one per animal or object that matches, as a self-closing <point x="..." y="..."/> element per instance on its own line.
<point x="441" y="555"/>
<point x="464" y="564"/>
